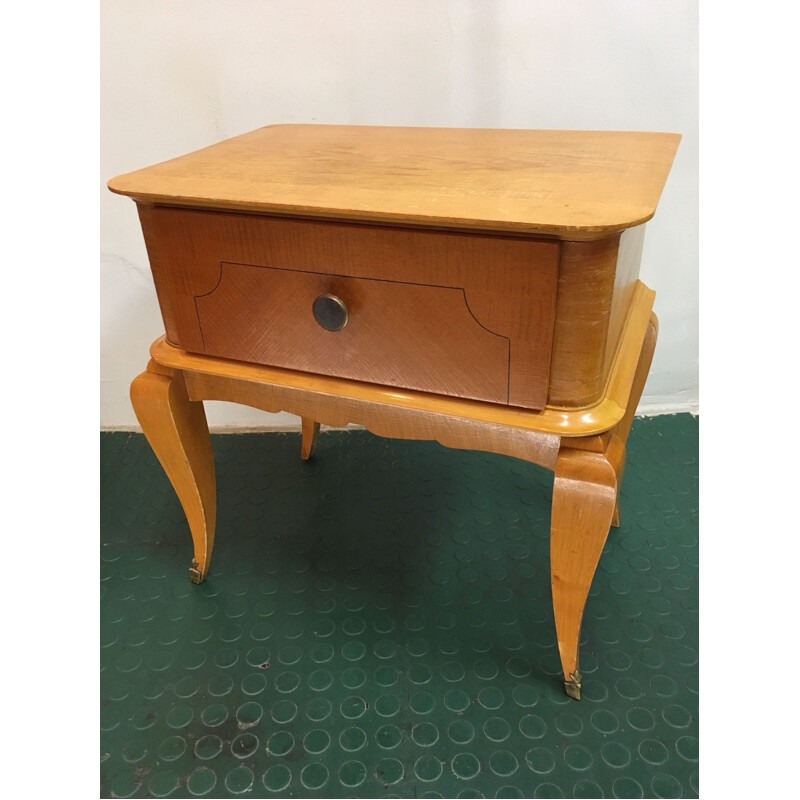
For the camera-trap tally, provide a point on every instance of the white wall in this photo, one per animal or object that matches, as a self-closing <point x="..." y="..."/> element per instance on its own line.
<point x="178" y="75"/>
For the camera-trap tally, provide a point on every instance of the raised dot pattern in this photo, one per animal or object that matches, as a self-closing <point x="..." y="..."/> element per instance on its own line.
<point x="348" y="644"/>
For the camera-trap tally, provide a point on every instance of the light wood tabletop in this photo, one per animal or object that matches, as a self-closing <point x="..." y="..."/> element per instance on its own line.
<point x="564" y="184"/>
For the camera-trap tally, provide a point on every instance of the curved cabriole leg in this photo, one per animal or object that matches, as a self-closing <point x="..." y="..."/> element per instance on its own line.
<point x="310" y="436"/>
<point x="177" y="430"/>
<point x="623" y="427"/>
<point x="585" y="506"/>
<point x="584" y="497"/>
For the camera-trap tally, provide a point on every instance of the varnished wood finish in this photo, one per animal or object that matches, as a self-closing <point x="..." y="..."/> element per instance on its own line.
<point x="508" y="284"/>
<point x="623" y="428"/>
<point x="261" y="315"/>
<point x="562" y="422"/>
<point x="588" y="468"/>
<point x="310" y="437"/>
<point x="584" y="497"/>
<point x="560" y="306"/>
<point x="177" y="431"/>
<point x="585" y="289"/>
<point x="491" y="285"/>
<point x="571" y="185"/>
<point x="585" y="505"/>
<point x="596" y="285"/>
<point x="391" y="421"/>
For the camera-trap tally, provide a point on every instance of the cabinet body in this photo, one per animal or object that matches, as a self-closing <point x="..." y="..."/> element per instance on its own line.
<point x="489" y="265"/>
<point x="513" y="320"/>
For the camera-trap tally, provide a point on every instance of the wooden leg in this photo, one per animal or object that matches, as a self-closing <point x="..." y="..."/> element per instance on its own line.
<point x="584" y="497"/>
<point x="623" y="427"/>
<point x="177" y="430"/>
<point x="310" y="436"/>
<point x="585" y="505"/>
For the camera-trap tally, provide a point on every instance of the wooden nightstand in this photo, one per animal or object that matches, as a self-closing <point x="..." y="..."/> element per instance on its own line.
<point x="476" y="287"/>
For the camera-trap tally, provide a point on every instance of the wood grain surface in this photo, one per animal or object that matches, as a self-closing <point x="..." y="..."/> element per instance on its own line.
<point x="347" y="398"/>
<point x="585" y="505"/>
<point x="491" y="282"/>
<point x="394" y="421"/>
<point x="397" y="334"/>
<point x="584" y="497"/>
<point x="508" y="284"/>
<point x="585" y="291"/>
<point x="310" y="435"/>
<point x="177" y="430"/>
<point x="566" y="184"/>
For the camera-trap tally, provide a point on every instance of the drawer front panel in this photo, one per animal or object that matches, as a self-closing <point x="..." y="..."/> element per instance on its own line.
<point x="497" y="295"/>
<point x="399" y="334"/>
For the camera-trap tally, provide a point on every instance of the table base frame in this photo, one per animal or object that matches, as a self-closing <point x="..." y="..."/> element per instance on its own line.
<point x="588" y="470"/>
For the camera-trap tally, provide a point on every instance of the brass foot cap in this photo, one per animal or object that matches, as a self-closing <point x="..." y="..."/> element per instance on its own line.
<point x="195" y="576"/>
<point x="573" y="686"/>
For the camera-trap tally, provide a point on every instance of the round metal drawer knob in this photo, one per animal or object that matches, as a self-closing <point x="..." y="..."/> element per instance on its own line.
<point x="330" y="312"/>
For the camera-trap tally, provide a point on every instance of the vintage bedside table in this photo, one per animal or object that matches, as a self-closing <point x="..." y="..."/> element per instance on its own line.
<point x="476" y="287"/>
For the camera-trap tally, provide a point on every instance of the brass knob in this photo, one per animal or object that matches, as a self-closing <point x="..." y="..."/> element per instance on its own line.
<point x="330" y="312"/>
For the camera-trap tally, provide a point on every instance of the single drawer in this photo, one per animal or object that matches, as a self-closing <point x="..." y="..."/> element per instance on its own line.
<point x="399" y="334"/>
<point x="459" y="314"/>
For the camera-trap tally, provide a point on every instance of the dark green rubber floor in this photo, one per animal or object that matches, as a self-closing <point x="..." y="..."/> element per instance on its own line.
<point x="377" y="623"/>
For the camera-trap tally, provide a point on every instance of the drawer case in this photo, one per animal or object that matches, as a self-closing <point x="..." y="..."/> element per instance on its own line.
<point x="460" y="314"/>
<point x="491" y="265"/>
